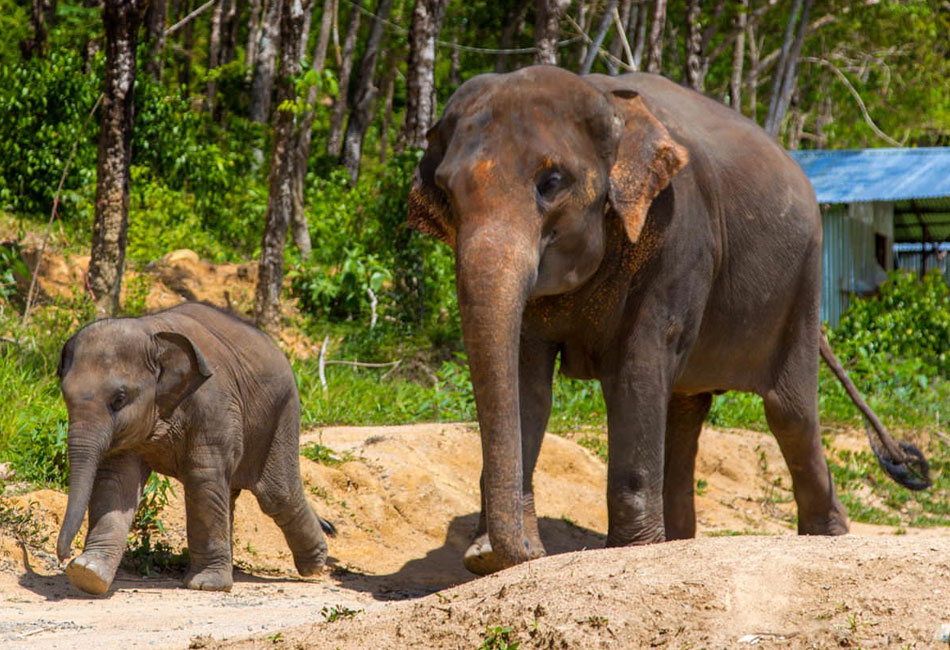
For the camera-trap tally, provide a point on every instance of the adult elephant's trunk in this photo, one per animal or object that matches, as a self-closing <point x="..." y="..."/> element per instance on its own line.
<point x="496" y="272"/>
<point x="87" y="446"/>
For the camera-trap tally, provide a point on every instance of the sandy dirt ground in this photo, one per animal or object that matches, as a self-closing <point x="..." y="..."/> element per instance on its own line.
<point x="405" y="506"/>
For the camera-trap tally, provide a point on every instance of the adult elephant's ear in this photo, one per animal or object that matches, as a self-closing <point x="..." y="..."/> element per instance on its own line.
<point x="647" y="158"/>
<point x="429" y="209"/>
<point x="181" y="370"/>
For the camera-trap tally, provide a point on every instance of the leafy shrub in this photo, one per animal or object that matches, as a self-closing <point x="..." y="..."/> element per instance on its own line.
<point x="909" y="319"/>
<point x="44" y="103"/>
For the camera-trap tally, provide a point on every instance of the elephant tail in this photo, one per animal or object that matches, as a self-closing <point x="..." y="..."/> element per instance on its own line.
<point x="902" y="461"/>
<point x="330" y="529"/>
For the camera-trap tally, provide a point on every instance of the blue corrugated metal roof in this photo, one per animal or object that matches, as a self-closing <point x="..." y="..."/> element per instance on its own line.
<point x="849" y="176"/>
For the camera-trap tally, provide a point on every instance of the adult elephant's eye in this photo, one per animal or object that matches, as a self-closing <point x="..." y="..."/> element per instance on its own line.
<point x="118" y="402"/>
<point x="549" y="184"/>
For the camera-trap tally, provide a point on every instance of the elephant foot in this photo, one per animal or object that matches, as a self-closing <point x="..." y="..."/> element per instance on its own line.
<point x="481" y="560"/>
<point x="832" y="523"/>
<point x="90" y="574"/>
<point x="308" y="566"/>
<point x="210" y="580"/>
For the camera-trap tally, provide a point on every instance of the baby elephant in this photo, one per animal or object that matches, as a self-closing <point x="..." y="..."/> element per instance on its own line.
<point x="196" y="394"/>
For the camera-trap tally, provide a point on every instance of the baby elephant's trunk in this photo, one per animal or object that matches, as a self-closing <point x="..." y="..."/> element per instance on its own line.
<point x="86" y="449"/>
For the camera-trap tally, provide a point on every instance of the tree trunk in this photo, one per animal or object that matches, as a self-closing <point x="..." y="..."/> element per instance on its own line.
<point x="42" y="14"/>
<point x="253" y="38"/>
<point x="262" y="84"/>
<point x="738" y="57"/>
<point x="657" y="27"/>
<point x="789" y="75"/>
<point x="583" y="19"/>
<point x="214" y="49"/>
<point x="509" y="34"/>
<point x="694" y="54"/>
<point x="281" y="180"/>
<point x="122" y="19"/>
<point x="187" y="49"/>
<point x="155" y="38"/>
<point x="427" y="18"/>
<point x="627" y="20"/>
<point x="229" y="31"/>
<point x="752" y="79"/>
<point x="547" y="27"/>
<point x="299" y="228"/>
<point x="772" y="119"/>
<point x="455" y="72"/>
<point x="389" y="85"/>
<point x="335" y="136"/>
<point x="364" y="96"/>
<point x="605" y="22"/>
<point x="640" y="38"/>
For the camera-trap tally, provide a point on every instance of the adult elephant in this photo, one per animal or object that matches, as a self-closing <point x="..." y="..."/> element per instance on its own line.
<point x="659" y="242"/>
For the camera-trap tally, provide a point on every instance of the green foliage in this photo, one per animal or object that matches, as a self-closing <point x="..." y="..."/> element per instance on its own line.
<point x="44" y="103"/>
<point x="335" y="613"/>
<point x="33" y="422"/>
<point x="324" y="455"/>
<point x="909" y="319"/>
<point x="499" y="637"/>
<point x="21" y="522"/>
<point x="11" y="268"/>
<point x="145" y="555"/>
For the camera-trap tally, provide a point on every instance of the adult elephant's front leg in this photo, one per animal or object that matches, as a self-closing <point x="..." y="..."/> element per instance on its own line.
<point x="115" y="497"/>
<point x="636" y="399"/>
<point x="208" y="521"/>
<point x="536" y="372"/>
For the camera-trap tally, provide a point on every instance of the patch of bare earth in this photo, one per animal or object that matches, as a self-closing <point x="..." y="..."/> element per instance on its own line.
<point x="406" y="506"/>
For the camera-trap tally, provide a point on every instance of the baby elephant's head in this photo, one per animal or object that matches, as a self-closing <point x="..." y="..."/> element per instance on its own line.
<point x="118" y="378"/>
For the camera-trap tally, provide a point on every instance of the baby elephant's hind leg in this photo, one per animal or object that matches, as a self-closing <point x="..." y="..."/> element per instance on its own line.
<point x="281" y="497"/>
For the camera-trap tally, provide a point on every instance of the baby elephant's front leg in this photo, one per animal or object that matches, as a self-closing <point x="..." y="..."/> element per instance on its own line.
<point x="115" y="496"/>
<point x="208" y="518"/>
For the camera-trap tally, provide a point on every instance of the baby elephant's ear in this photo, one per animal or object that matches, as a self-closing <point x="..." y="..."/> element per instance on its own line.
<point x="182" y="369"/>
<point x="429" y="209"/>
<point x="647" y="158"/>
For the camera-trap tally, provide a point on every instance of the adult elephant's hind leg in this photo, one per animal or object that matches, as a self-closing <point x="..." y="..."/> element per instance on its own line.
<point x="684" y="422"/>
<point x="791" y="410"/>
<point x="280" y="495"/>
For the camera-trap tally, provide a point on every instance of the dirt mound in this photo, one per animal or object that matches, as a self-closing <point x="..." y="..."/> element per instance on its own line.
<point x="405" y="502"/>
<point x="783" y="591"/>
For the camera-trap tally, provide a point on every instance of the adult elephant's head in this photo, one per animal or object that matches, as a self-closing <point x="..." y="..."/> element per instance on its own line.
<point x="518" y="177"/>
<point x="118" y="378"/>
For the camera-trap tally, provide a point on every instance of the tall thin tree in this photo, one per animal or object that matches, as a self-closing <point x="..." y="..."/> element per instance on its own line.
<point x="365" y="94"/>
<point x="282" y="167"/>
<point x="606" y="20"/>
<point x="694" y="40"/>
<point x="262" y="82"/>
<point x="427" y="18"/>
<point x="335" y="135"/>
<point x="155" y="38"/>
<point x="300" y="229"/>
<point x="547" y="27"/>
<point x="786" y="70"/>
<point x="122" y="19"/>
<point x="657" y="29"/>
<point x="738" y="56"/>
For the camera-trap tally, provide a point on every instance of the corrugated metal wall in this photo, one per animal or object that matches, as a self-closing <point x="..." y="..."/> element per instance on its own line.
<point x="910" y="261"/>
<point x="849" y="263"/>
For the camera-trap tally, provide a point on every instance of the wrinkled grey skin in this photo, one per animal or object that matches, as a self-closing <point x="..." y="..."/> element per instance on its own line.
<point x="195" y="394"/>
<point x="652" y="239"/>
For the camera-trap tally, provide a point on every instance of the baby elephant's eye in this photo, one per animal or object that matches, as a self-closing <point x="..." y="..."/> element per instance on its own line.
<point x="549" y="184"/>
<point x="118" y="401"/>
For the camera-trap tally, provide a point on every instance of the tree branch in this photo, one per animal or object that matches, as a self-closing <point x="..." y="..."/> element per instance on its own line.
<point x="857" y="98"/>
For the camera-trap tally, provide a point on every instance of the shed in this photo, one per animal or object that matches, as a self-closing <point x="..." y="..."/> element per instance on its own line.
<point x="882" y="209"/>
